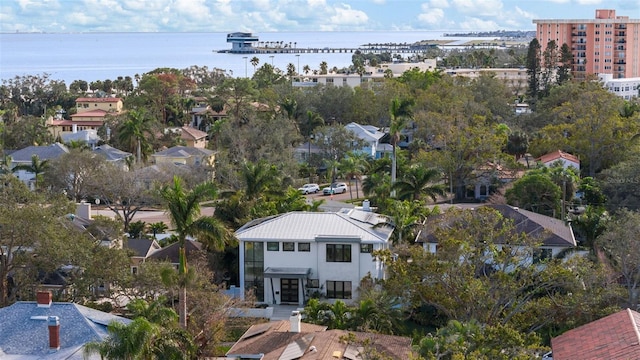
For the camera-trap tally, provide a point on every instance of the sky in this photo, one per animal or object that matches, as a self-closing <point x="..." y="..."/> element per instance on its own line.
<point x="293" y="15"/>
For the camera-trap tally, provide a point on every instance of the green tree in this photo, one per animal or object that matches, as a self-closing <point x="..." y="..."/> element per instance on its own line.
<point x="37" y="168"/>
<point x="401" y="115"/>
<point x="537" y="193"/>
<point x="418" y="182"/>
<point x="184" y="208"/>
<point x="135" y="133"/>
<point x="566" y="59"/>
<point x="352" y="168"/>
<point x="260" y="178"/>
<point x="619" y="243"/>
<point x="534" y="69"/>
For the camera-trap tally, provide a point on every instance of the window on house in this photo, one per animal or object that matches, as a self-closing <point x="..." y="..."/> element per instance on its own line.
<point x="338" y="253"/>
<point x="304" y="247"/>
<point x="273" y="246"/>
<point x="366" y="248"/>
<point x="338" y="289"/>
<point x="288" y="246"/>
<point x="313" y="283"/>
<point x="134" y="270"/>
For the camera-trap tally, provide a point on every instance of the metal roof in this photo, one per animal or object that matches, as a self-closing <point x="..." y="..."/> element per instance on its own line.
<point x="310" y="226"/>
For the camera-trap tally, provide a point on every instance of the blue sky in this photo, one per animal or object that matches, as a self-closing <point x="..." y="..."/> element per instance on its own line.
<point x="293" y="15"/>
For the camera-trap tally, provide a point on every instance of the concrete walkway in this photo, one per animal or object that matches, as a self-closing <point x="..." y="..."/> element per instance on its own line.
<point x="283" y="312"/>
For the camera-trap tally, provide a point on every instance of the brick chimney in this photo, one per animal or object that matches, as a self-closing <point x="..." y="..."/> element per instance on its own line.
<point x="44" y="299"/>
<point x="295" y="321"/>
<point x="54" y="332"/>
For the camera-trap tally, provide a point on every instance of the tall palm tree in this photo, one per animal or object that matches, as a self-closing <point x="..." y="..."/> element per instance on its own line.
<point x="352" y="167"/>
<point x="254" y="62"/>
<point x="184" y="208"/>
<point x="401" y="115"/>
<point x="37" y="168"/>
<point x="134" y="132"/>
<point x="419" y="181"/>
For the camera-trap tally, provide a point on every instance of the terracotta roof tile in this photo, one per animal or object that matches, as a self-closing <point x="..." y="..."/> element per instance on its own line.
<point x="614" y="337"/>
<point x="98" y="100"/>
<point x="557" y="155"/>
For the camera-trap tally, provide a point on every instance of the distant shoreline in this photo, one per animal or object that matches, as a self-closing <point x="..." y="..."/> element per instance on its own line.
<point x="498" y="33"/>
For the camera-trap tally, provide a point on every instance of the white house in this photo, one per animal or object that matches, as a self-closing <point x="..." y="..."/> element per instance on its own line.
<point x="24" y="157"/>
<point x="567" y="159"/>
<point x="289" y="257"/>
<point x="370" y="135"/>
<point x="626" y="88"/>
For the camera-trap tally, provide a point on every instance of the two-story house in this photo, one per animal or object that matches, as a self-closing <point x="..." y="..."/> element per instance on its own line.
<point x="25" y="157"/>
<point x="90" y="115"/>
<point x="288" y="257"/>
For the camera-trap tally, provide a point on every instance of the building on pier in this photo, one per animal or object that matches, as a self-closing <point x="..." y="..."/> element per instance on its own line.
<point x="242" y="42"/>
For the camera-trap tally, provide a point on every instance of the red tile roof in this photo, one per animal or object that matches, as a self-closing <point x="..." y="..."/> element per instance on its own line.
<point x="98" y="100"/>
<point x="79" y="123"/>
<point x="556" y="155"/>
<point x="92" y="113"/>
<point x="614" y="337"/>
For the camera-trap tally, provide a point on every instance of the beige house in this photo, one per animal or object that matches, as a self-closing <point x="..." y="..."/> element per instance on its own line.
<point x="193" y="137"/>
<point x="90" y="115"/>
<point x="184" y="155"/>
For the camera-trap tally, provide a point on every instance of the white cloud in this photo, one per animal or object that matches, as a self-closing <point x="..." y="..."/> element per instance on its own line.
<point x="478" y="7"/>
<point x="195" y="9"/>
<point x="379" y="2"/>
<point x="440" y="4"/>
<point x="476" y="24"/>
<point x="432" y="16"/>
<point x="589" y="2"/>
<point x="345" y="15"/>
<point x="559" y="1"/>
<point x="524" y="14"/>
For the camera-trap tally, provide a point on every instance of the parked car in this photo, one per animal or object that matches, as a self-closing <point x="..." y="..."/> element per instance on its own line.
<point x="335" y="188"/>
<point x="309" y="189"/>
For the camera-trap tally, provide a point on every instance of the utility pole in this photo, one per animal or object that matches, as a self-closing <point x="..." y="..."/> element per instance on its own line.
<point x="245" y="66"/>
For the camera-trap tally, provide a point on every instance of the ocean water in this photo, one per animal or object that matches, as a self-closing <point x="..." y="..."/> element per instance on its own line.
<point x="101" y="56"/>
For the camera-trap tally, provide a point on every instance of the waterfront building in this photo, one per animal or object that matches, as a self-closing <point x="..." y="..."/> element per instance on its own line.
<point x="371" y="74"/>
<point x="514" y="78"/>
<point x="625" y="88"/>
<point x="608" y="44"/>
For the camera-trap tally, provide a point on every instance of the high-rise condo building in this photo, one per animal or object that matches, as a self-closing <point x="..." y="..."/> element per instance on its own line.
<point x="608" y="44"/>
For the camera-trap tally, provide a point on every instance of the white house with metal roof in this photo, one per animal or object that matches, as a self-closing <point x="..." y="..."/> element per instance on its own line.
<point x="290" y="257"/>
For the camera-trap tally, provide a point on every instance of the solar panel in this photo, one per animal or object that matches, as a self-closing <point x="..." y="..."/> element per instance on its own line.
<point x="296" y="349"/>
<point x="256" y="330"/>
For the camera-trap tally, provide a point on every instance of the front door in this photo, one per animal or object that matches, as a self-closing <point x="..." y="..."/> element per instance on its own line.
<point x="289" y="291"/>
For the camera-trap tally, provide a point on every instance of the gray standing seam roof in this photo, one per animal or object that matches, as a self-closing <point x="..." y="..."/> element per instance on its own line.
<point x="44" y="152"/>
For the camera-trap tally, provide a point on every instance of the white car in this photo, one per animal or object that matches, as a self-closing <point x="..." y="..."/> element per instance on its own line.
<point x="309" y="189"/>
<point x="335" y="188"/>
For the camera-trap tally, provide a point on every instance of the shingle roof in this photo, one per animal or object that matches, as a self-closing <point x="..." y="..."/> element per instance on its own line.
<point x="309" y="226"/>
<point x="24" y="334"/>
<point x="111" y="153"/>
<point x="313" y="341"/>
<point x="553" y="232"/>
<point x="44" y="153"/>
<point x="183" y="151"/>
<point x="614" y="337"/>
<point x="192" y="133"/>
<point x="171" y="253"/>
<point x="142" y="247"/>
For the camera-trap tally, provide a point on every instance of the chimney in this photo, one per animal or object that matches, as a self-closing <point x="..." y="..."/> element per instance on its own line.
<point x="295" y="321"/>
<point x="54" y="333"/>
<point x="44" y="299"/>
<point x="83" y="210"/>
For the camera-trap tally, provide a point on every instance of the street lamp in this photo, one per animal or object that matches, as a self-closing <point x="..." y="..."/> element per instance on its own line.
<point x="298" y="56"/>
<point x="271" y="60"/>
<point x="245" y="66"/>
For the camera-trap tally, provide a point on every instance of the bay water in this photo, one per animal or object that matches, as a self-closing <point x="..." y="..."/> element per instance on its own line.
<point x="102" y="56"/>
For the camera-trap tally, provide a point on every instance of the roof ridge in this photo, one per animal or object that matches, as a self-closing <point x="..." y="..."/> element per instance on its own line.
<point x="635" y="326"/>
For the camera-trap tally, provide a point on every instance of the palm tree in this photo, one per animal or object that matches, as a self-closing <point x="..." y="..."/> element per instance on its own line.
<point x="184" y="207"/>
<point x="401" y="114"/>
<point x="352" y="167"/>
<point x="37" y="168"/>
<point x="134" y="131"/>
<point x="158" y="228"/>
<point x="260" y="178"/>
<point x="254" y="62"/>
<point x="419" y="181"/>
